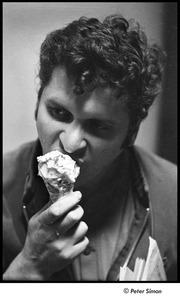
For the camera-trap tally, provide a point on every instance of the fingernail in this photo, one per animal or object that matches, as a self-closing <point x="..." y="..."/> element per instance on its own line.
<point x="79" y="195"/>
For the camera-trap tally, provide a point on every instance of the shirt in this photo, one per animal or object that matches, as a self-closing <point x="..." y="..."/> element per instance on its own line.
<point x="105" y="242"/>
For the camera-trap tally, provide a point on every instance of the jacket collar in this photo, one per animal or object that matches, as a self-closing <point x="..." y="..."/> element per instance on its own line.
<point x="35" y="195"/>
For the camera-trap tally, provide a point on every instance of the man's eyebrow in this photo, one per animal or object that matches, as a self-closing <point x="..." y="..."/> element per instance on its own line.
<point x="104" y="121"/>
<point x="54" y="101"/>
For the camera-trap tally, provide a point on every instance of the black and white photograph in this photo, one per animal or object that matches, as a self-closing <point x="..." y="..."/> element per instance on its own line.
<point x="90" y="144"/>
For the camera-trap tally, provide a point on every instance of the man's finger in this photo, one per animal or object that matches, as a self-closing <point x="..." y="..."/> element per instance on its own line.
<point x="43" y="208"/>
<point x="70" y="219"/>
<point x="80" y="247"/>
<point x="59" y="208"/>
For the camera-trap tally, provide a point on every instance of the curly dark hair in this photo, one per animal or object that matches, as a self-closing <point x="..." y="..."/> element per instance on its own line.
<point x="112" y="53"/>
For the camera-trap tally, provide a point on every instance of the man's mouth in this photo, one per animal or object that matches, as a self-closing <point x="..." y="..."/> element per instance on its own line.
<point x="79" y="161"/>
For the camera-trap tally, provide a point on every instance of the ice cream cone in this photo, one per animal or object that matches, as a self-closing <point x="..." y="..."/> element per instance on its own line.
<point x="56" y="193"/>
<point x="59" y="173"/>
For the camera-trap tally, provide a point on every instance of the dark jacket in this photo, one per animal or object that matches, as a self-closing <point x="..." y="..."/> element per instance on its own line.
<point x="153" y="182"/>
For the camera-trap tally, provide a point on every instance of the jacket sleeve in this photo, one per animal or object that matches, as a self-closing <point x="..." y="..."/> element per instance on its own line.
<point x="11" y="242"/>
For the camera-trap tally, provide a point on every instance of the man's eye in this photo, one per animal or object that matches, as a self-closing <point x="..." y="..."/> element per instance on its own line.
<point x="97" y="127"/>
<point x="60" y="114"/>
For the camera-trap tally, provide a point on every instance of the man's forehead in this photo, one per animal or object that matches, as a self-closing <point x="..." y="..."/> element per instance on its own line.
<point x="59" y="79"/>
<point x="102" y="101"/>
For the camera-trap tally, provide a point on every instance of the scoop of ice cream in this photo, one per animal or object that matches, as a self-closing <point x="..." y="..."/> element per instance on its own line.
<point x="59" y="172"/>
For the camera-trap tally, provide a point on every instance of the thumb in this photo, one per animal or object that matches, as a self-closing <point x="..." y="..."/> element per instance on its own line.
<point x="48" y="204"/>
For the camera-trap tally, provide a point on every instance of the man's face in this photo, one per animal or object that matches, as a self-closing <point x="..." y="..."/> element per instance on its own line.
<point x="91" y="127"/>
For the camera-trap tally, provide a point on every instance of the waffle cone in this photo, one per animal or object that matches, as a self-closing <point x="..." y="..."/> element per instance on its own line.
<point x="55" y="193"/>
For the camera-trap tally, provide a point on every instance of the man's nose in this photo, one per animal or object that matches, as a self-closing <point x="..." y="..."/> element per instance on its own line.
<point x="72" y="139"/>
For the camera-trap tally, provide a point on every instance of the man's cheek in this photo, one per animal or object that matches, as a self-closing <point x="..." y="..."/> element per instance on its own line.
<point x="110" y="151"/>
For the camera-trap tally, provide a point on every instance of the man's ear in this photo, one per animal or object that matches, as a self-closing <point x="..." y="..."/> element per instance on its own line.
<point x="132" y="139"/>
<point x="38" y="101"/>
<point x="36" y="110"/>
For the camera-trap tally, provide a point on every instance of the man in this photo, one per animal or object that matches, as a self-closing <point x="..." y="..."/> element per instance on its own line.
<point x="97" y="82"/>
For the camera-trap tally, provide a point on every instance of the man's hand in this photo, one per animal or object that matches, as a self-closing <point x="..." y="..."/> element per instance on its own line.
<point x="55" y="237"/>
